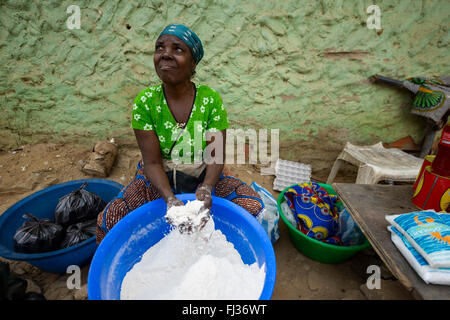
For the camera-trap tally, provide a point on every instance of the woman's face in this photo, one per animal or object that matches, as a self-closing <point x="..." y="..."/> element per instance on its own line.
<point x="173" y="60"/>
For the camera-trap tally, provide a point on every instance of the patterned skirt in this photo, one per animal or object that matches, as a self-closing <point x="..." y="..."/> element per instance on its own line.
<point x="140" y="191"/>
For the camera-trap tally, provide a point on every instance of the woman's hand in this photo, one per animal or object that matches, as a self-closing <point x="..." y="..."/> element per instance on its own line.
<point x="172" y="201"/>
<point x="203" y="193"/>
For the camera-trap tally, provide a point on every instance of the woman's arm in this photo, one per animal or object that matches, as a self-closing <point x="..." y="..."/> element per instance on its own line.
<point x="151" y="155"/>
<point x="213" y="170"/>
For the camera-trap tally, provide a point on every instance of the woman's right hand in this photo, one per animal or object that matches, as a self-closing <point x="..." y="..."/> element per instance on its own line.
<point x="173" y="201"/>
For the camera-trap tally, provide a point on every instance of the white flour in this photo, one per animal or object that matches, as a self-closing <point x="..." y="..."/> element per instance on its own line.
<point x="184" y="267"/>
<point x="190" y="212"/>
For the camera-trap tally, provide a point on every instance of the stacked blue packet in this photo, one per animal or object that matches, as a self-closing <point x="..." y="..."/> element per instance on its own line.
<point x="423" y="238"/>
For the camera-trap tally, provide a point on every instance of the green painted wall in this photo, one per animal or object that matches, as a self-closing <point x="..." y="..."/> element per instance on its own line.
<point x="300" y="66"/>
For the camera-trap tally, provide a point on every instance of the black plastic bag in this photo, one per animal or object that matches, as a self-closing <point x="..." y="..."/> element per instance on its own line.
<point x="12" y="287"/>
<point x="31" y="295"/>
<point x="79" y="232"/>
<point x="17" y="288"/>
<point x="4" y="275"/>
<point x="37" y="235"/>
<point x="78" y="206"/>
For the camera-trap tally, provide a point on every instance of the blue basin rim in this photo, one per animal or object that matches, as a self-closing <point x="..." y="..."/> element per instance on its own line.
<point x="96" y="263"/>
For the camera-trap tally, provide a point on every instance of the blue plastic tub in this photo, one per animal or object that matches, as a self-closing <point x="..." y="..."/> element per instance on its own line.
<point x="125" y="244"/>
<point x="42" y="204"/>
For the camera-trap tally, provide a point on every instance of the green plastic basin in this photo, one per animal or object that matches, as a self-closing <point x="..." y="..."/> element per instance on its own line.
<point x="314" y="249"/>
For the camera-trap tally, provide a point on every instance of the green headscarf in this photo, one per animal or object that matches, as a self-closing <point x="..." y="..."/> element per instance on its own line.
<point x="187" y="36"/>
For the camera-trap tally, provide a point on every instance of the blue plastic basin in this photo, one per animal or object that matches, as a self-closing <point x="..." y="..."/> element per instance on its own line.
<point x="42" y="204"/>
<point x="125" y="244"/>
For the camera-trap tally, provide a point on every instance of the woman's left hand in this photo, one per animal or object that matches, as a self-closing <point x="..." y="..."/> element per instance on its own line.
<point x="203" y="193"/>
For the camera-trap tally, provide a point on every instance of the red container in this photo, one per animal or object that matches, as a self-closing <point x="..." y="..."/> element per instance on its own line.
<point x="441" y="164"/>
<point x="426" y="162"/>
<point x="432" y="192"/>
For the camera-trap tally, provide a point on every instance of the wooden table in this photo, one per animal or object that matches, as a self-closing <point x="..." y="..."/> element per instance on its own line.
<point x="368" y="204"/>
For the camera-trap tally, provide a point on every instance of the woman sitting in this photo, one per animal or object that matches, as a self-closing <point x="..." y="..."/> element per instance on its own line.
<point x="175" y="120"/>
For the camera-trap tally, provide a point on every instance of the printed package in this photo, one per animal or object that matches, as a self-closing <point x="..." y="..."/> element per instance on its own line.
<point x="429" y="234"/>
<point x="417" y="262"/>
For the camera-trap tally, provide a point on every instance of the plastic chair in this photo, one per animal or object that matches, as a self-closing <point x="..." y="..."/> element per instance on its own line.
<point x="377" y="163"/>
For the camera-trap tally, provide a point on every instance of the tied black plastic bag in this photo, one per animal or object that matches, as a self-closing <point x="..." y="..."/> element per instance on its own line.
<point x="78" y="206"/>
<point x="79" y="232"/>
<point x="37" y="235"/>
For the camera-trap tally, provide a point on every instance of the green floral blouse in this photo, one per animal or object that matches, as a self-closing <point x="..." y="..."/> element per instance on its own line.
<point x="151" y="112"/>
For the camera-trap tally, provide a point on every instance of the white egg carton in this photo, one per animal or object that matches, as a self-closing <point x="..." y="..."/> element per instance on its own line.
<point x="288" y="173"/>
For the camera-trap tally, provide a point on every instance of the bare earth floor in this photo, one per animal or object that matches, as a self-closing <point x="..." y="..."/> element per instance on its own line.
<point x="34" y="167"/>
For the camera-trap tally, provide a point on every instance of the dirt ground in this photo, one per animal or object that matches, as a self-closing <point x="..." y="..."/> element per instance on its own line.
<point x="33" y="167"/>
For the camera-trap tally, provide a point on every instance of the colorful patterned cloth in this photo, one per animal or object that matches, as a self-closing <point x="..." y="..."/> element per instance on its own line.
<point x="240" y="193"/>
<point x="140" y="191"/>
<point x="315" y="211"/>
<point x="151" y="112"/>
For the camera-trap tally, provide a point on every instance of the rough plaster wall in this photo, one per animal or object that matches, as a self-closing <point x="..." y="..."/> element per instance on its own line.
<point x="300" y="66"/>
